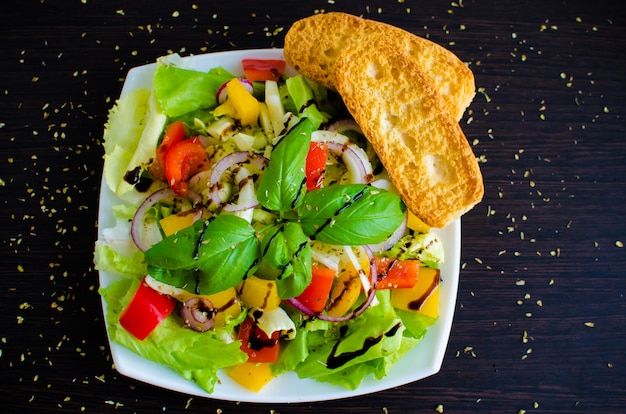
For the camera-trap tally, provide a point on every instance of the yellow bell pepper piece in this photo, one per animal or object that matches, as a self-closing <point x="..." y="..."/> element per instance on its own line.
<point x="255" y="292"/>
<point x="423" y="297"/>
<point x="227" y="304"/>
<point x="344" y="293"/>
<point x="253" y="376"/>
<point x="415" y="224"/>
<point x="175" y="222"/>
<point x="240" y="104"/>
<point x="226" y="108"/>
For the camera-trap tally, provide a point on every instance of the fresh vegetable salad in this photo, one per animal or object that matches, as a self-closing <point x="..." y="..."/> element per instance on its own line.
<point x="257" y="232"/>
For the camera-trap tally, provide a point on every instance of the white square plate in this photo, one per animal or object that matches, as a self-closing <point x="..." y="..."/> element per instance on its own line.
<point x="422" y="361"/>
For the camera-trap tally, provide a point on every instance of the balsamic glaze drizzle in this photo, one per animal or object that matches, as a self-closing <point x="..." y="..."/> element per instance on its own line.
<point x="419" y="302"/>
<point x="347" y="205"/>
<point x="196" y="252"/>
<point x="336" y="361"/>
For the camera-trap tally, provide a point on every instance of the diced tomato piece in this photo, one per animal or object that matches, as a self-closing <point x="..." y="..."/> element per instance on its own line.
<point x="394" y="273"/>
<point x="263" y="69"/>
<point x="184" y="160"/>
<point x="146" y="310"/>
<point x="316" y="294"/>
<point x="315" y="165"/>
<point x="174" y="134"/>
<point x="256" y="343"/>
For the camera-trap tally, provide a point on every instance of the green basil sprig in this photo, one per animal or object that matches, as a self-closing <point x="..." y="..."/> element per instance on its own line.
<point x="206" y="258"/>
<point x="355" y="214"/>
<point x="282" y="183"/>
<point x="286" y="258"/>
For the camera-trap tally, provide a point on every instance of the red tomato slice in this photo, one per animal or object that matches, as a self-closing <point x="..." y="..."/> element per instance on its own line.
<point x="316" y="294"/>
<point x="174" y="134"/>
<point x="183" y="161"/>
<point x="394" y="273"/>
<point x="256" y="343"/>
<point x="146" y="310"/>
<point x="315" y="165"/>
<point x="263" y="69"/>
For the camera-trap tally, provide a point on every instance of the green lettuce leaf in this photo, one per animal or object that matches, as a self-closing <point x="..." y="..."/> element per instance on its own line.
<point x="426" y="247"/>
<point x="344" y="354"/>
<point x="195" y="356"/>
<point x="180" y="91"/>
<point x="115" y="252"/>
<point x="131" y="136"/>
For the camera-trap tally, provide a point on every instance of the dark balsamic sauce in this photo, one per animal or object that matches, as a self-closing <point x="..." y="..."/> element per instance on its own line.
<point x="336" y="361"/>
<point x="419" y="302"/>
<point x="196" y="251"/>
<point x="347" y="205"/>
<point x="135" y="178"/>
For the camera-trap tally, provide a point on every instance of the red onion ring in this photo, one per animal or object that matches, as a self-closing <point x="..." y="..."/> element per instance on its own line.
<point x="350" y="315"/>
<point x="222" y="93"/>
<point x="198" y="313"/>
<point x="136" y="226"/>
<point x="352" y="155"/>
<point x="223" y="165"/>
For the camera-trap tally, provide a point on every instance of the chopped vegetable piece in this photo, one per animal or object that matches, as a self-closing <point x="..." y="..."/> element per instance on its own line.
<point x="252" y="376"/>
<point x="316" y="294"/>
<point x="415" y="224"/>
<point x="395" y="273"/>
<point x="344" y="294"/>
<point x="175" y="222"/>
<point x="146" y="310"/>
<point x="184" y="160"/>
<point x="257" y="344"/>
<point x="263" y="69"/>
<point x="227" y="305"/>
<point x="315" y="165"/>
<point x="259" y="293"/>
<point x="423" y="297"/>
<point x="174" y="134"/>
<point x="240" y="104"/>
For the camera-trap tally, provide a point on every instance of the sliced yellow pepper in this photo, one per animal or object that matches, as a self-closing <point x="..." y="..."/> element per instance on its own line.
<point x="227" y="304"/>
<point x="344" y="293"/>
<point x="175" y="222"/>
<point x="255" y="292"/>
<point x="415" y="224"/>
<point x="253" y="376"/>
<point x="423" y="297"/>
<point x="240" y="104"/>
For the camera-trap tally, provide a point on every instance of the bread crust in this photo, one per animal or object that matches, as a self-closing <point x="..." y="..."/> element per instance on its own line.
<point x="313" y="44"/>
<point x="422" y="147"/>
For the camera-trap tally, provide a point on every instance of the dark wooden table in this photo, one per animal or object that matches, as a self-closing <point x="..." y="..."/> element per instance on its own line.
<point x="540" y="318"/>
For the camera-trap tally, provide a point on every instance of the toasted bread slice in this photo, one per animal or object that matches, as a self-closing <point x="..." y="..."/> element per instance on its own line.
<point x="313" y="44"/>
<point x="422" y="147"/>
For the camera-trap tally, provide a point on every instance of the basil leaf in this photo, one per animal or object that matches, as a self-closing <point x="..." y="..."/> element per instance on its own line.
<point x="286" y="259"/>
<point x="282" y="183"/>
<point x="354" y="214"/>
<point x="205" y="258"/>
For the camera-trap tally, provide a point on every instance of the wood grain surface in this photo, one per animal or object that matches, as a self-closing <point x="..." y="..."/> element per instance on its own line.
<point x="540" y="322"/>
